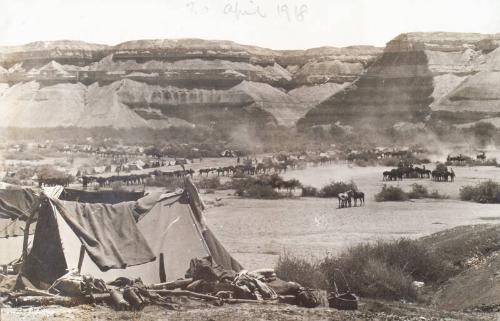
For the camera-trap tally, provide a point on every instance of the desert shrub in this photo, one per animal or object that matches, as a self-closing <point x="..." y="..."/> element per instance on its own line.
<point x="12" y="180"/>
<point x="260" y="191"/>
<point x="418" y="191"/>
<point x="49" y="171"/>
<point x="25" y="173"/>
<point x="387" y="282"/>
<point x="306" y="273"/>
<point x="386" y="269"/>
<point x="255" y="188"/>
<point x="484" y="192"/>
<point x="490" y="162"/>
<point x="391" y="193"/>
<point x="380" y="270"/>
<point x="435" y="194"/>
<point x="440" y="167"/>
<point x="262" y="186"/>
<point x="335" y="188"/>
<point x="209" y="183"/>
<point x="275" y="181"/>
<point x="309" y="191"/>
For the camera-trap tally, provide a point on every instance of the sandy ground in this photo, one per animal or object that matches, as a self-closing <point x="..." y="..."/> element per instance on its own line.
<point x="257" y="231"/>
<point x="370" y="311"/>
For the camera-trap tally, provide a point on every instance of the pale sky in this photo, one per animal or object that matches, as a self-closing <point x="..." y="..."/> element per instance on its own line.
<point x="277" y="24"/>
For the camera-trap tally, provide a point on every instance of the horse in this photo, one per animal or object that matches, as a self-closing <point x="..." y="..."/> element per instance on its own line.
<point x="357" y="196"/>
<point x="344" y="200"/>
<point x="451" y="173"/>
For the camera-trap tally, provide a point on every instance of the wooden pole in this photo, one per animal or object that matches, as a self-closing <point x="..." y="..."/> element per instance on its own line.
<point x="185" y="293"/>
<point x="163" y="276"/>
<point x="80" y="259"/>
<point x="27" y="234"/>
<point x="182" y="283"/>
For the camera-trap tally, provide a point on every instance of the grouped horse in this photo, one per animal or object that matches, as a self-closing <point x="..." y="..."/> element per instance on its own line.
<point x="443" y="176"/>
<point x="356" y="195"/>
<point x="407" y="171"/>
<point x="346" y="198"/>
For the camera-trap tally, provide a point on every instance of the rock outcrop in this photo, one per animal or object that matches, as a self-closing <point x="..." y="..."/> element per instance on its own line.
<point x="417" y="78"/>
<point x="161" y="83"/>
<point x="421" y="76"/>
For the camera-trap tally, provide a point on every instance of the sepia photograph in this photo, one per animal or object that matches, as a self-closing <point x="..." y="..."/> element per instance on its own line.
<point x="250" y="160"/>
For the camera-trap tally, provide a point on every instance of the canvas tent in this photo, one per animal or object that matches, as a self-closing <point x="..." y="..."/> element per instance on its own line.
<point x="102" y="196"/>
<point x="16" y="204"/>
<point x="153" y="238"/>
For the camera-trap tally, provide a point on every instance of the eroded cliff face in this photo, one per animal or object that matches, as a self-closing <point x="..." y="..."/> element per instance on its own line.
<point x="161" y="83"/>
<point x="421" y="76"/>
<point x="418" y="77"/>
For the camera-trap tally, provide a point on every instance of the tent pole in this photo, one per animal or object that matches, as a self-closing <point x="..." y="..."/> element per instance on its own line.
<point x="27" y="234"/>
<point x="163" y="275"/>
<point x="80" y="259"/>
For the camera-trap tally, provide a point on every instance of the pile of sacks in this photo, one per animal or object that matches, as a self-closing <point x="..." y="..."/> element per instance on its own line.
<point x="259" y="285"/>
<point x="204" y="281"/>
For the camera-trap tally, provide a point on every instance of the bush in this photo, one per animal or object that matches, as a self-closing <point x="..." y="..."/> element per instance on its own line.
<point x="440" y="167"/>
<point x="309" y="191"/>
<point x="386" y="282"/>
<point x="255" y="188"/>
<point x="380" y="270"/>
<point x="209" y="183"/>
<point x="484" y="192"/>
<point x="49" y="171"/>
<point x="435" y="194"/>
<point x="308" y="274"/>
<point x="391" y="193"/>
<point x="261" y="191"/>
<point x="335" y="188"/>
<point x="263" y="186"/>
<point x="418" y="191"/>
<point x="12" y="180"/>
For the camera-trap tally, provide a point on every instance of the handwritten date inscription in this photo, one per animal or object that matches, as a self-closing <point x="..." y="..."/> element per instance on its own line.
<point x="240" y="9"/>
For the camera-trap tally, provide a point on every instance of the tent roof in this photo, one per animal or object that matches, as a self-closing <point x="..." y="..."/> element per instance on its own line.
<point x="169" y="226"/>
<point x="17" y="203"/>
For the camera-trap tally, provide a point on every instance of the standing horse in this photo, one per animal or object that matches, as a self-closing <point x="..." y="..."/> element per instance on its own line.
<point x="344" y="200"/>
<point x="357" y="196"/>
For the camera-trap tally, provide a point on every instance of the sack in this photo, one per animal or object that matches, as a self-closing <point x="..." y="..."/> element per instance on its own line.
<point x="205" y="269"/>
